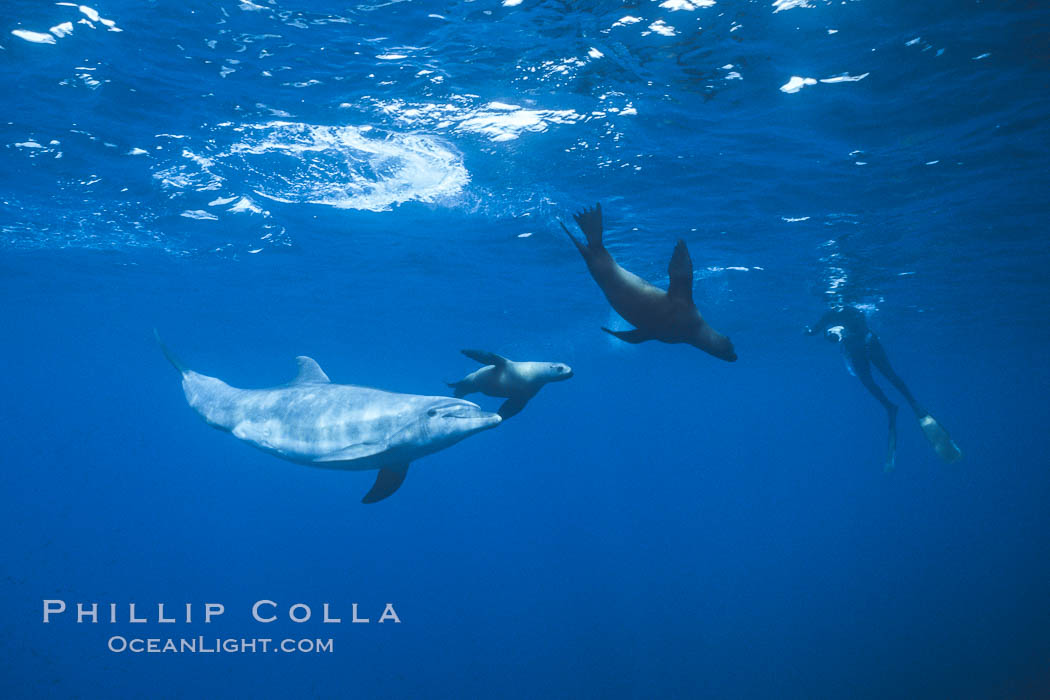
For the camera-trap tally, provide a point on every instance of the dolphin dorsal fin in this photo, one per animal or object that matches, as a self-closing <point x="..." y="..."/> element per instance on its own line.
<point x="310" y="372"/>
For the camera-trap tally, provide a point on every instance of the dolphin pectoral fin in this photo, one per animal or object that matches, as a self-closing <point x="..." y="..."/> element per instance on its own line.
<point x="634" y="336"/>
<point x="388" y="480"/>
<point x="310" y="372"/>
<point x="681" y="273"/>
<point x="356" y="451"/>
<point x="485" y="358"/>
<point x="513" y="406"/>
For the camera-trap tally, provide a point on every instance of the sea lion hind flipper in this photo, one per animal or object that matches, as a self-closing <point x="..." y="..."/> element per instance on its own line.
<point x="681" y="273"/>
<point x="513" y="406"/>
<point x="485" y="357"/>
<point x="388" y="480"/>
<point x="590" y="222"/>
<point x="633" y="336"/>
<point x="575" y="241"/>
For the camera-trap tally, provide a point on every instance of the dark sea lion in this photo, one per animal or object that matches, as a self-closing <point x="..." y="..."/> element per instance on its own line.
<point x="671" y="316"/>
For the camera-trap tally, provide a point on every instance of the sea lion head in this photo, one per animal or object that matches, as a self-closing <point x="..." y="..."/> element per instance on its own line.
<point x="556" y="372"/>
<point x="714" y="343"/>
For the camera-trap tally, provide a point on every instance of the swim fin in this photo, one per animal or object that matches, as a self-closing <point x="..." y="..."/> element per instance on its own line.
<point x="891" y="447"/>
<point x="942" y="443"/>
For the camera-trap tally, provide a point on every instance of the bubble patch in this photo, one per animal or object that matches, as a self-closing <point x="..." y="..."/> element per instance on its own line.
<point x="344" y="167"/>
<point x="495" y="120"/>
<point x="339" y="166"/>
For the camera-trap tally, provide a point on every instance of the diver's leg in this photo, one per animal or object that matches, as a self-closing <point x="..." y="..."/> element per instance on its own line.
<point x="877" y="354"/>
<point x="863" y="371"/>
<point x="938" y="437"/>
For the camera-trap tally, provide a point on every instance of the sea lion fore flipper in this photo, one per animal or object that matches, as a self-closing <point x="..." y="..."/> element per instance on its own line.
<point x="681" y="273"/>
<point x="633" y="336"/>
<point x="388" y="480"/>
<point x="486" y="358"/>
<point x="513" y="406"/>
<point x="460" y="388"/>
<point x="590" y="222"/>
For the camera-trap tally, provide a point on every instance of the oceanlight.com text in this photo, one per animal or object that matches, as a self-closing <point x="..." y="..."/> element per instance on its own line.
<point x="218" y="645"/>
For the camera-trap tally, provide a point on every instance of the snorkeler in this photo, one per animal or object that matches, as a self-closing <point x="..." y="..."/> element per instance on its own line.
<point x="847" y="326"/>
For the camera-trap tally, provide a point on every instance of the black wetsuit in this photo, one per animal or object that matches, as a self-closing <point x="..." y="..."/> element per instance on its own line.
<point x="862" y="350"/>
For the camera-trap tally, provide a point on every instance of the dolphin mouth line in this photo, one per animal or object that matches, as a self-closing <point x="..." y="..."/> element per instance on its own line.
<point x="462" y="416"/>
<point x="456" y="404"/>
<point x="463" y="413"/>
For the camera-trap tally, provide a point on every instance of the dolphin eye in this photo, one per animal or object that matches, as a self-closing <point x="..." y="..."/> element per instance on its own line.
<point x="432" y="412"/>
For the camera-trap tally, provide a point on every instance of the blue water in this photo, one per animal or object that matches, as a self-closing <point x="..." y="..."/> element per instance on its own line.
<point x="378" y="186"/>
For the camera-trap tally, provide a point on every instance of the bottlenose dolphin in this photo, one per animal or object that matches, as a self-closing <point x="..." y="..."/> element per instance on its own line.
<point x="515" y="381"/>
<point x="312" y="421"/>
<point x="671" y="316"/>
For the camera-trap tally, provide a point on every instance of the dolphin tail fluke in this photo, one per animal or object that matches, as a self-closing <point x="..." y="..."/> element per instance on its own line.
<point x="175" y="362"/>
<point x="388" y="481"/>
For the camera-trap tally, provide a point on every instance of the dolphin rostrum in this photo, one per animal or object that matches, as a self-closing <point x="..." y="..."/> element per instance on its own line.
<point x="335" y="426"/>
